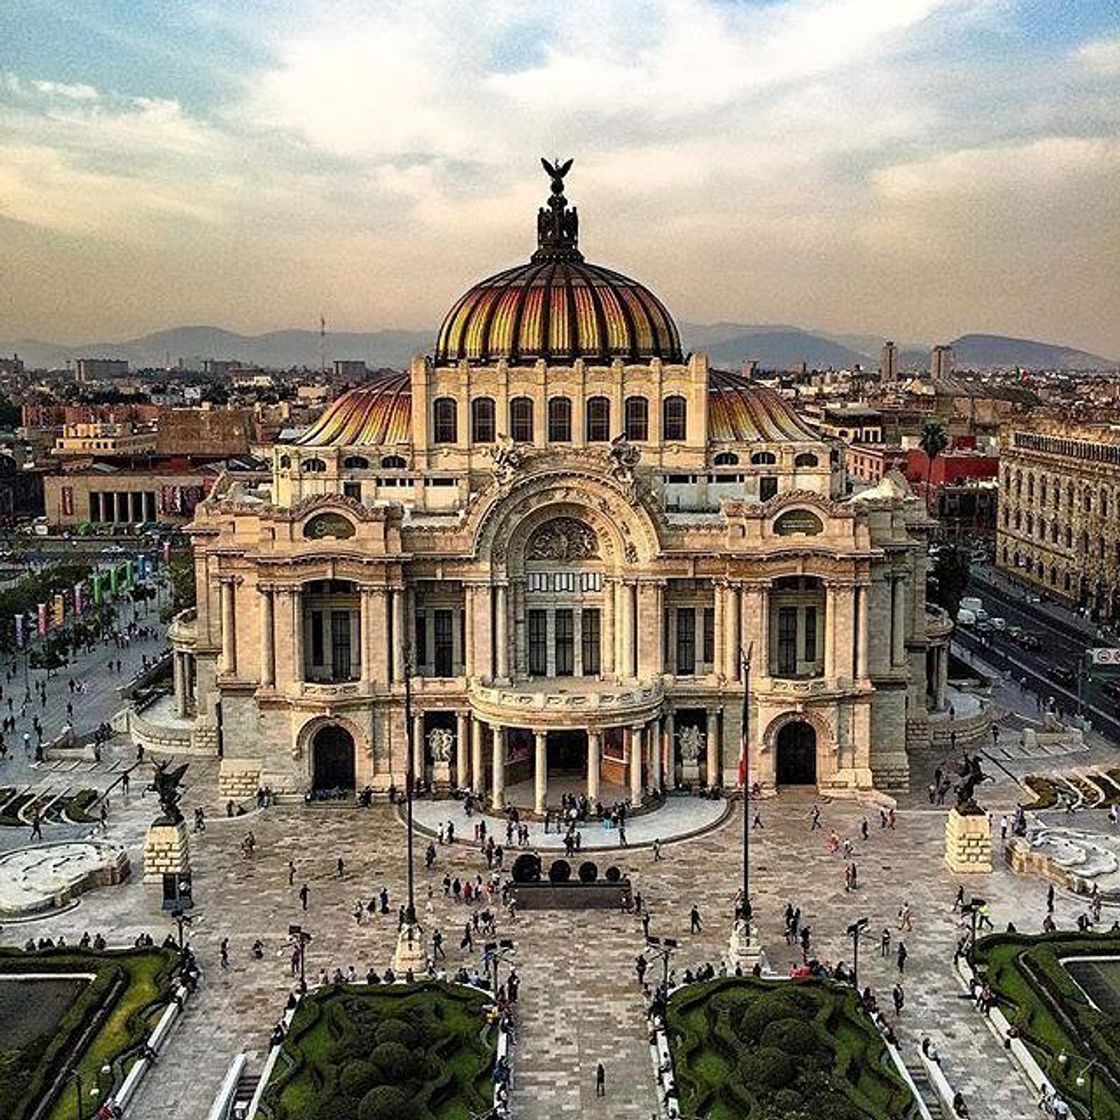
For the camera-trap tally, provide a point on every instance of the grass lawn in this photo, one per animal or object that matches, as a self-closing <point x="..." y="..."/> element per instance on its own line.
<point x="129" y="991"/>
<point x="1047" y="1006"/>
<point x="746" y="1049"/>
<point x="358" y="1052"/>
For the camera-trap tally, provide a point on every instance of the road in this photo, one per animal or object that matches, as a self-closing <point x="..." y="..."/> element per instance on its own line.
<point x="1064" y="636"/>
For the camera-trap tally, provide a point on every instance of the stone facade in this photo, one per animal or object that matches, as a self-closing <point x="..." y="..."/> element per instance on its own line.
<point x="166" y="852"/>
<point x="239" y="779"/>
<point x="968" y="843"/>
<point x="1058" y="523"/>
<point x="567" y="559"/>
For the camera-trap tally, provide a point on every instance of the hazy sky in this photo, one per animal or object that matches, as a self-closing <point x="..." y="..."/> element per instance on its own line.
<point x="915" y="168"/>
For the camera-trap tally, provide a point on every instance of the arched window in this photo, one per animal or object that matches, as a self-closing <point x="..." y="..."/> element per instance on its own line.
<point x="482" y="420"/>
<point x="559" y="420"/>
<point x="1087" y="502"/>
<point x="313" y="466"/>
<point x="1069" y="537"/>
<point x="285" y="462"/>
<point x="637" y="419"/>
<point x="1030" y="488"/>
<point x="1030" y="525"/>
<point x="598" y="419"/>
<point x="445" y="427"/>
<point x="521" y="419"/>
<point x="356" y="463"/>
<point x="1042" y="492"/>
<point x="1018" y="519"/>
<point x="1104" y="502"/>
<point x="806" y="459"/>
<point x="393" y="463"/>
<point x="726" y="459"/>
<point x="763" y="458"/>
<point x="674" y="418"/>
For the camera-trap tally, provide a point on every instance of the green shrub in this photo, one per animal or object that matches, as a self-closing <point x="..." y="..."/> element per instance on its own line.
<point x="767" y="1066"/>
<point x="758" y="1014"/>
<point x="794" y="1036"/>
<point x="396" y="1063"/>
<point x="387" y="1102"/>
<point x="397" y="1030"/>
<point x="358" y="1077"/>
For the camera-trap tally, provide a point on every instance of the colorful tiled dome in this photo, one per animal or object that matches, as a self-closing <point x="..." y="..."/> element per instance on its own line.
<point x="742" y="411"/>
<point x="374" y="414"/>
<point x="558" y="306"/>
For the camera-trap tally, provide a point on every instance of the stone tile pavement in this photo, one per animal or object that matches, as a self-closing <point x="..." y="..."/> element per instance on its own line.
<point x="580" y="1001"/>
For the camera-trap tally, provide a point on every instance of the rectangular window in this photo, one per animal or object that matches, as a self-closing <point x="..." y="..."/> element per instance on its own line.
<point x="709" y="657"/>
<point x="443" y="627"/>
<point x="316" y="637"/>
<point x="810" y="633"/>
<point x="589" y="639"/>
<point x="340" y="645"/>
<point x="565" y="643"/>
<point x="421" y="639"/>
<point x="767" y="487"/>
<point x="538" y="643"/>
<point x="686" y="641"/>
<point x="787" y="641"/>
<point x="352" y="490"/>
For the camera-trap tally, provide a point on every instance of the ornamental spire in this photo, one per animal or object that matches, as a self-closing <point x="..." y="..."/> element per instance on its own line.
<point x="557" y="224"/>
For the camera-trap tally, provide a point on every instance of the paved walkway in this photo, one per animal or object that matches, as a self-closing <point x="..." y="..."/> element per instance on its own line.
<point x="678" y="817"/>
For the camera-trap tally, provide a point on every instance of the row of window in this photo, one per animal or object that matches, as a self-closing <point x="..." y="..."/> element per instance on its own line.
<point x="1014" y="485"/>
<point x="597" y="419"/>
<point x="1071" y="448"/>
<point x="1057" y="535"/>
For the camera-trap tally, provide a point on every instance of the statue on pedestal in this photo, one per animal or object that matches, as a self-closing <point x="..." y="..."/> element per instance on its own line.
<point x="165" y="784"/>
<point x="971" y="775"/>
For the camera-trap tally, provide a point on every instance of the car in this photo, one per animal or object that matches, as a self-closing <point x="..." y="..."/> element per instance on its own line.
<point x="999" y="623"/>
<point x="1031" y="641"/>
<point x="1015" y="633"/>
<point x="965" y="618"/>
<point x="1064" y="675"/>
<point x="984" y="626"/>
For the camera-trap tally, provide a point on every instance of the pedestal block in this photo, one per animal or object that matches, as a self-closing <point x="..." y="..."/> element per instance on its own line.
<point x="411" y="953"/>
<point x="690" y="773"/>
<point x="743" y="949"/>
<point x="441" y="778"/>
<point x="968" y="842"/>
<point x="166" y="852"/>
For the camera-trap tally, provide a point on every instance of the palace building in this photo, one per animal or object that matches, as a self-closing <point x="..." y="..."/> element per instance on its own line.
<point x="564" y="532"/>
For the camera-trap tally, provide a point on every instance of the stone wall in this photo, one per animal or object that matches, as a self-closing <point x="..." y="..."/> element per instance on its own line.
<point x="239" y="779"/>
<point x="166" y="852"/>
<point x="968" y="843"/>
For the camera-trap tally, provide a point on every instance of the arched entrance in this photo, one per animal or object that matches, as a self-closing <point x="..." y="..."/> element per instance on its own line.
<point x="796" y="750"/>
<point x="332" y="759"/>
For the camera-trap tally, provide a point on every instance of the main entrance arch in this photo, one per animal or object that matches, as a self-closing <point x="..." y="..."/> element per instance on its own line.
<point x="332" y="758"/>
<point x="796" y="750"/>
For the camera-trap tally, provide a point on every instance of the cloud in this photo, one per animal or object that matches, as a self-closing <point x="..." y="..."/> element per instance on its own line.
<point x="76" y="91"/>
<point x="1102" y="56"/>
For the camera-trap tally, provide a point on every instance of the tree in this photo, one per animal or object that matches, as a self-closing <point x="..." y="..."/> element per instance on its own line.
<point x="951" y="572"/>
<point x="932" y="441"/>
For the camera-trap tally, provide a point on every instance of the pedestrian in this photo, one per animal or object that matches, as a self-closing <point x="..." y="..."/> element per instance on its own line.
<point x="656" y="850"/>
<point x="622" y="835"/>
<point x="865" y="829"/>
<point x="757" y="822"/>
<point x="640" y="966"/>
<point x="885" y="943"/>
<point x="36" y="827"/>
<point x="223" y="952"/>
<point x="815" y="818"/>
<point x="694" y="919"/>
<point x="340" y="869"/>
<point x="899" y="998"/>
<point x="600" y="1080"/>
<point x="1003" y="827"/>
<point x="900" y="957"/>
<point x="291" y="872"/>
<point x="905" y="917"/>
<point x="304" y="894"/>
<point x="1050" y="899"/>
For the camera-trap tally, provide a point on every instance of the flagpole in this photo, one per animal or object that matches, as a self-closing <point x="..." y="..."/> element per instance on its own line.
<point x="744" y="774"/>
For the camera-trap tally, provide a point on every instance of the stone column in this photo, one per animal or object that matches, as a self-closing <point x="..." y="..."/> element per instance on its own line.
<point x="654" y="756"/>
<point x="732" y="633"/>
<point x="268" y="652"/>
<point x="469" y="669"/>
<point x="594" y="752"/>
<point x="540" y="771"/>
<point x="296" y="597"/>
<point x="498" y="777"/>
<point x="845" y="632"/>
<point x="179" y="667"/>
<point x="418" y="746"/>
<point x="898" y="621"/>
<point x="829" y="632"/>
<point x="634" y="757"/>
<point x="719" y="601"/>
<point x="478" y="778"/>
<point x="670" y="750"/>
<point x="364" y="627"/>
<point x="648" y="630"/>
<point x="863" y="607"/>
<point x="762" y="650"/>
<point x="229" y="628"/>
<point x="483" y="616"/>
<point x="462" y="723"/>
<point x="627" y="613"/>
<point x="607" y="638"/>
<point x="502" y="608"/>
<point x="712" y="745"/>
<point x="942" y="676"/>
<point x="400" y="637"/>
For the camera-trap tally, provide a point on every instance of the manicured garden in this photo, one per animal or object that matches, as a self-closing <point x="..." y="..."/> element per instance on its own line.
<point x="746" y="1049"/>
<point x="18" y="807"/>
<point x="104" y="1021"/>
<point x="357" y="1052"/>
<point x="1051" y="1014"/>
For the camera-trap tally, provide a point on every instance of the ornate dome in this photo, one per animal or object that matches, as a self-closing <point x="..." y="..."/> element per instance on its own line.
<point x="558" y="306"/>
<point x="742" y="411"/>
<point x="372" y="415"/>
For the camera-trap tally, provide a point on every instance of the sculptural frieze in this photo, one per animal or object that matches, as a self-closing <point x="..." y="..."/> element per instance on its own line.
<point x="508" y="458"/>
<point x="441" y="741"/>
<point x="563" y="539"/>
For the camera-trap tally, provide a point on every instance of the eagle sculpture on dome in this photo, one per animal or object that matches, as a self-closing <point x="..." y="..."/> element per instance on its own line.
<point x="556" y="171"/>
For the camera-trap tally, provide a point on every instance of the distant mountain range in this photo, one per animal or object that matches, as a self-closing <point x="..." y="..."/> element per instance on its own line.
<point x="773" y="346"/>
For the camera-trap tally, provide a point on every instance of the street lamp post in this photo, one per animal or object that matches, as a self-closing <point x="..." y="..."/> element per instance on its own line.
<point x="181" y="918"/>
<point x="302" y="937"/>
<point x="411" y="956"/>
<point x="854" y="931"/>
<point x="499" y="951"/>
<point x="1087" y="1074"/>
<point x="663" y="947"/>
<point x="76" y="1077"/>
<point x="972" y="909"/>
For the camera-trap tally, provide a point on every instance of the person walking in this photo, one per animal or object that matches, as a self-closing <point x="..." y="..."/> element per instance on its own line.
<point x="900" y="957"/>
<point x="885" y="943"/>
<point x="223" y="952"/>
<point x="899" y="998"/>
<point x="600" y="1080"/>
<point x="657" y="857"/>
<point x="304" y="894"/>
<point x="694" y="920"/>
<point x="340" y="869"/>
<point x="905" y="917"/>
<point x="815" y="818"/>
<point x="1050" y="899"/>
<point x="291" y="872"/>
<point x="37" y="827"/>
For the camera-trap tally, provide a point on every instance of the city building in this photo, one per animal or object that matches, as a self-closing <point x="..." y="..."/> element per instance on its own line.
<point x="888" y="362"/>
<point x="563" y="533"/>
<point x="101" y="369"/>
<point x="105" y="440"/>
<point x="1059" y="512"/>
<point x="941" y="362"/>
